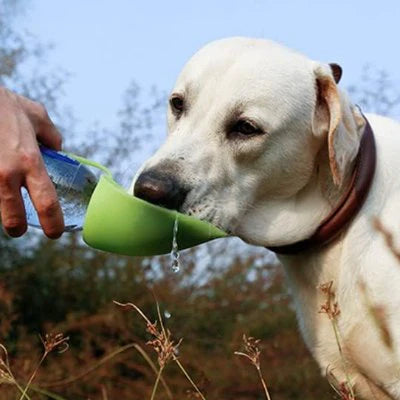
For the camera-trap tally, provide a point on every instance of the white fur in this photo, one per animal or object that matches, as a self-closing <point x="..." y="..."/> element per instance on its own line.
<point x="274" y="189"/>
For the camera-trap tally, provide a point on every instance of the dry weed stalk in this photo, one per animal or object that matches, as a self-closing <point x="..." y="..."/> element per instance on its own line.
<point x="330" y="307"/>
<point x="51" y="342"/>
<point x="341" y="388"/>
<point x="162" y="344"/>
<point x="332" y="310"/>
<point x="102" y="361"/>
<point x="6" y="375"/>
<point x="252" y="352"/>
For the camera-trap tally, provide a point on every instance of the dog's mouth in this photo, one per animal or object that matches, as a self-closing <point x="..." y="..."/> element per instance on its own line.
<point x="167" y="191"/>
<point x="204" y="209"/>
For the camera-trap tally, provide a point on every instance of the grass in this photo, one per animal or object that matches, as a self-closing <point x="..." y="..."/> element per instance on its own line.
<point x="166" y="349"/>
<point x="331" y="309"/>
<point x="163" y="345"/>
<point x="376" y="312"/>
<point x="50" y="343"/>
<point x="252" y="353"/>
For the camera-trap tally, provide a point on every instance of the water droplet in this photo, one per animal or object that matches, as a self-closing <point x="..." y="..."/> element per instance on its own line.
<point x="175" y="250"/>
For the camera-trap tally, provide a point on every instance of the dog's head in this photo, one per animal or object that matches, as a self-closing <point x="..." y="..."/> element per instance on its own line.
<point x="248" y="121"/>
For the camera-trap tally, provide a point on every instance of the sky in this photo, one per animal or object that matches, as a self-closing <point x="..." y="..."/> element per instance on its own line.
<point x="105" y="44"/>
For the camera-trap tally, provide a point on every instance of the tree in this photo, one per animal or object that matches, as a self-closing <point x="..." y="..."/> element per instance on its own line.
<point x="376" y="93"/>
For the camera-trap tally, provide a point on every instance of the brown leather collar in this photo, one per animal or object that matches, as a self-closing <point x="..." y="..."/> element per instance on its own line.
<point x="350" y="203"/>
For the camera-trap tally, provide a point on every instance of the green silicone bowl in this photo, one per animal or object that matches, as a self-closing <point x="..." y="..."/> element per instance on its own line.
<point x="120" y="223"/>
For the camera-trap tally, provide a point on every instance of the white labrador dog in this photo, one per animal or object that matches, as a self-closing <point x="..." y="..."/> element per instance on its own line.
<point x="262" y="143"/>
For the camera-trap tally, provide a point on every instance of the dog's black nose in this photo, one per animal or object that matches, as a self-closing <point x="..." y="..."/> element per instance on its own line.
<point x="160" y="189"/>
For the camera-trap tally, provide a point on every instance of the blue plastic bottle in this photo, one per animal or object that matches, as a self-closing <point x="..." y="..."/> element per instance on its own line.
<point x="74" y="184"/>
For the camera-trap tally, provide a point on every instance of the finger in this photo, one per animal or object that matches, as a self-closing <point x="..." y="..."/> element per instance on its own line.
<point x="44" y="198"/>
<point x="46" y="131"/>
<point x="13" y="216"/>
<point x="48" y="135"/>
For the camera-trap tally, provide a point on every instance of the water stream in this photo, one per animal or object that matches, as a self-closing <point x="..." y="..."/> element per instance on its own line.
<point x="175" y="251"/>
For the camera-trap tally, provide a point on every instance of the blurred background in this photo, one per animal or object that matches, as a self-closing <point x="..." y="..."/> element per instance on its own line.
<point x="104" y="69"/>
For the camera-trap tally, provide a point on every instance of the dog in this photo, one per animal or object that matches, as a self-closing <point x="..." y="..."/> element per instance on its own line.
<point x="262" y="143"/>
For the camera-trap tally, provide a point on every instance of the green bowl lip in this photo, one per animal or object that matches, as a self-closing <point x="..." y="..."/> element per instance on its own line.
<point x="158" y="209"/>
<point x="121" y="198"/>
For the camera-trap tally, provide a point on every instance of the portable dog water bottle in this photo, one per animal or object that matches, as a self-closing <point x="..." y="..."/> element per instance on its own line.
<point x="113" y="220"/>
<point x="74" y="184"/>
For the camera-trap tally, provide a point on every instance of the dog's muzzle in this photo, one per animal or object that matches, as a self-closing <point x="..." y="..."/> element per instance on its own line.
<point x="161" y="189"/>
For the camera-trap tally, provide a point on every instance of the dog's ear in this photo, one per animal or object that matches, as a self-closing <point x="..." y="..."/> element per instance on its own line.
<point x="336" y="71"/>
<point x="334" y="121"/>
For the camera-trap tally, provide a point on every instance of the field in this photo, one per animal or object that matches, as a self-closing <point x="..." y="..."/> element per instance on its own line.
<point x="210" y="308"/>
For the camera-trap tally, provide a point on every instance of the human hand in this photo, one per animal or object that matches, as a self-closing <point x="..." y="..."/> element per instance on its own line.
<point x="24" y="123"/>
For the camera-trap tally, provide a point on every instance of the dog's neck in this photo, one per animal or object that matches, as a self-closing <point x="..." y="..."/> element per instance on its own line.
<point x="298" y="217"/>
<point x="286" y="221"/>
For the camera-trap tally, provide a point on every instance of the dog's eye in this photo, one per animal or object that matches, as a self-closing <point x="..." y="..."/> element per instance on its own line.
<point x="177" y="103"/>
<point x="245" y="128"/>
